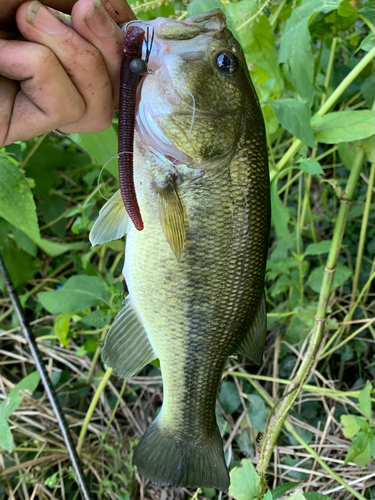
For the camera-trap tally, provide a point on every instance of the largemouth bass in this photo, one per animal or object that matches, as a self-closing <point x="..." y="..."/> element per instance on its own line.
<point x="195" y="274"/>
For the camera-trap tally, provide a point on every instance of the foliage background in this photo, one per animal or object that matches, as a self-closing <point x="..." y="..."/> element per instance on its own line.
<point x="301" y="55"/>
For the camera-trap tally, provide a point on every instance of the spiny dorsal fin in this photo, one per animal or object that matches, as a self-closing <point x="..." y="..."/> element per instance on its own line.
<point x="126" y="347"/>
<point x="252" y="344"/>
<point x="172" y="217"/>
<point x="112" y="223"/>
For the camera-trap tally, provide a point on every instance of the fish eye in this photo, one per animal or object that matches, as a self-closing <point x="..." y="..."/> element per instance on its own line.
<point x="226" y="62"/>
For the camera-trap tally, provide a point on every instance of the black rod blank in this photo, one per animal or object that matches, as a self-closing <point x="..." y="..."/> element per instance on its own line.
<point x="46" y="382"/>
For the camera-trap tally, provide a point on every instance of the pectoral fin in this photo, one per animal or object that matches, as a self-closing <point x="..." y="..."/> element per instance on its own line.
<point x="112" y="223"/>
<point x="126" y="347"/>
<point x="252" y="345"/>
<point x="172" y="217"/>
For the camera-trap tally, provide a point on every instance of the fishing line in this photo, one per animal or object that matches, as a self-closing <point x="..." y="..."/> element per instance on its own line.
<point x="30" y="339"/>
<point x="103" y="167"/>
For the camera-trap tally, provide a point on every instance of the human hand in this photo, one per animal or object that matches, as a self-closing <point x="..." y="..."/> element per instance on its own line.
<point x="54" y="76"/>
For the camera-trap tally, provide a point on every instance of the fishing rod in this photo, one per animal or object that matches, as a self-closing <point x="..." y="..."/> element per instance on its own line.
<point x="76" y="463"/>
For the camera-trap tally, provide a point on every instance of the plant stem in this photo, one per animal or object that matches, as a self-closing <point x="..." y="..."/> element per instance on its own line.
<point x="362" y="237"/>
<point x="329" y="69"/>
<point x="297" y="144"/>
<point x="284" y="405"/>
<point x="92" y="407"/>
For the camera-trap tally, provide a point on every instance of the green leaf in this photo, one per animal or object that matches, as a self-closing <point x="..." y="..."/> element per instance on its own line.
<point x="79" y="293"/>
<point x="97" y="319"/>
<point x="209" y="492"/>
<point x="342" y="273"/>
<point x="351" y="425"/>
<point x="200" y="6"/>
<point x="364" y="400"/>
<point x="295" y="46"/>
<point x="279" y="213"/>
<point x="229" y="397"/>
<point x="54" y="248"/>
<point x="297" y="495"/>
<point x="346" y="9"/>
<point x="6" y="438"/>
<point x="311" y="166"/>
<point x="268" y="496"/>
<point x="367" y="43"/>
<point x="258" y="43"/>
<point x="368" y="10"/>
<point x="295" y="118"/>
<point x="344" y="126"/>
<point x="61" y="328"/>
<point x="15" y="396"/>
<point x="258" y="412"/>
<point x="244" y="482"/>
<point x="318" y="248"/>
<point x="17" y="204"/>
<point x="359" y="450"/>
<point x="101" y="147"/>
<point x="280" y="490"/>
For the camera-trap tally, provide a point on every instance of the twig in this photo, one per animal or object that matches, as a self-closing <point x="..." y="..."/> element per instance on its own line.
<point x="46" y="382"/>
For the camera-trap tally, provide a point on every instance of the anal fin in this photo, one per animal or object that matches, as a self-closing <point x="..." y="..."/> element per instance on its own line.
<point x="252" y="344"/>
<point x="127" y="348"/>
<point x="112" y="223"/>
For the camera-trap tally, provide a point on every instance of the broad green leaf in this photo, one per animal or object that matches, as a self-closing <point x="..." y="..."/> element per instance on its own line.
<point x="54" y="248"/>
<point x="97" y="319"/>
<point x="318" y="248"/>
<point x="209" y="492"/>
<point x="359" y="448"/>
<point x="346" y="9"/>
<point x="351" y="425"/>
<point x="17" y="204"/>
<point x="79" y="293"/>
<point x="368" y="10"/>
<point x="367" y="43"/>
<point x="244" y="482"/>
<point x="229" y="397"/>
<point x="342" y="274"/>
<point x="311" y="166"/>
<point x="200" y="6"/>
<point x="101" y="147"/>
<point x="295" y="46"/>
<point x="344" y="126"/>
<point x="61" y="328"/>
<point x="364" y="400"/>
<point x="258" y="412"/>
<point x="268" y="496"/>
<point x="279" y="213"/>
<point x="15" y="396"/>
<point x="6" y="438"/>
<point x="258" y="42"/>
<point x="297" y="495"/>
<point x="295" y="118"/>
<point x="280" y="490"/>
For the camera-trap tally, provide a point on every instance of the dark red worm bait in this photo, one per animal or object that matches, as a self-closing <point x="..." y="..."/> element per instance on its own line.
<point x="133" y="41"/>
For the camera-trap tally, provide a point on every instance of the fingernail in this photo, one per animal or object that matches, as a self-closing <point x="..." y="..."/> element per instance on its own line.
<point x="99" y="21"/>
<point x="43" y="20"/>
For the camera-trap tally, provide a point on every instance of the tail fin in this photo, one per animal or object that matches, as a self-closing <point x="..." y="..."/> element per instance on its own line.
<point x="164" y="460"/>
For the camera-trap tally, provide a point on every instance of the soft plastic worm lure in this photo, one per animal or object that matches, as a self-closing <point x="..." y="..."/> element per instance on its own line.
<point x="132" y="67"/>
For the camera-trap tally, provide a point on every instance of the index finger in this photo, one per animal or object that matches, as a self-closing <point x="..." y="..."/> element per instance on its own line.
<point x="119" y="10"/>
